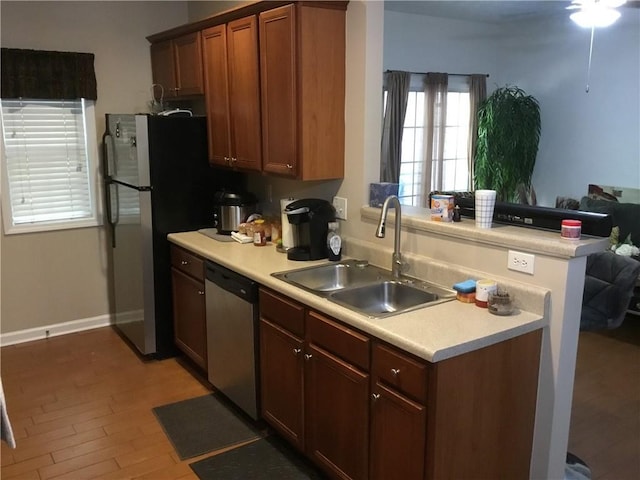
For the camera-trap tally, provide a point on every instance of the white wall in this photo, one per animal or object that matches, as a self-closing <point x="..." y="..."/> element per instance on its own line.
<point x="56" y="277"/>
<point x="586" y="138"/>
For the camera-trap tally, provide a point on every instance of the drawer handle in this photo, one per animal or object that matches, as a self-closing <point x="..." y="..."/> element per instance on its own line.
<point x="289" y="166"/>
<point x="375" y="396"/>
<point x="395" y="372"/>
<point x="307" y="356"/>
<point x="296" y="351"/>
<point x="200" y="292"/>
<point x="184" y="262"/>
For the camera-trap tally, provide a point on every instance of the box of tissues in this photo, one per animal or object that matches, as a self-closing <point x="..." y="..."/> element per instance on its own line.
<point x="379" y="191"/>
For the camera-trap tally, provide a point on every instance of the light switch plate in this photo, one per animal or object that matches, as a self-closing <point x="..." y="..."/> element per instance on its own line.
<point x="340" y="204"/>
<point x="521" y="262"/>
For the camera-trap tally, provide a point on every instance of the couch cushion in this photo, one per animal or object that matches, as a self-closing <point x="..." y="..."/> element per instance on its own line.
<point x="608" y="286"/>
<point x="623" y="215"/>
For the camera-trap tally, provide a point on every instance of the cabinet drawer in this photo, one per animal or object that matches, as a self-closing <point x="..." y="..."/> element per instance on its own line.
<point x="338" y="339"/>
<point x="282" y="311"/>
<point x="400" y="371"/>
<point x="187" y="262"/>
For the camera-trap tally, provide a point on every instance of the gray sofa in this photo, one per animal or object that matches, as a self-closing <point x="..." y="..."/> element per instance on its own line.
<point x="610" y="279"/>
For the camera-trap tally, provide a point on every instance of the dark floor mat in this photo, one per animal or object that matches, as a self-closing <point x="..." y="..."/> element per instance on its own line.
<point x="201" y="425"/>
<point x="265" y="459"/>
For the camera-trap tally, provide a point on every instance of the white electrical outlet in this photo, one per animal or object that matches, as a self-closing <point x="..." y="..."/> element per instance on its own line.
<point x="521" y="262"/>
<point x="340" y="204"/>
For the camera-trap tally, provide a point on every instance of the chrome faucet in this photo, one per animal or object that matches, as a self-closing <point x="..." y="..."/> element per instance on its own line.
<point x="396" y="259"/>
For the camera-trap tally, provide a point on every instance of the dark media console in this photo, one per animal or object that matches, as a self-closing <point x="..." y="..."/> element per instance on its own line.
<point x="547" y="218"/>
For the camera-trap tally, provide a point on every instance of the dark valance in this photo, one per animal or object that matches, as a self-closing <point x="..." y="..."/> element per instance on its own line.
<point x="47" y="75"/>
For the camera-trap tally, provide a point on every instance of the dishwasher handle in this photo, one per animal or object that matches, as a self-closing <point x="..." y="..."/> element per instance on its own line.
<point x="232" y="282"/>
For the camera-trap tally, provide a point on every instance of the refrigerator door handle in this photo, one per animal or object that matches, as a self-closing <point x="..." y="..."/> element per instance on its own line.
<point x="107" y="188"/>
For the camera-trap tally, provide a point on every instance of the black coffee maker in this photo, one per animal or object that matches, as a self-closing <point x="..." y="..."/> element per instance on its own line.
<point x="309" y="218"/>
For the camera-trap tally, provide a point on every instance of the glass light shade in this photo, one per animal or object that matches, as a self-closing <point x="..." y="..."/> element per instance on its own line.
<point x="595" y="17"/>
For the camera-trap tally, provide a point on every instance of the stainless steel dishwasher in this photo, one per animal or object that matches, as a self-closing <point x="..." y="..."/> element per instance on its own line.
<point x="232" y="325"/>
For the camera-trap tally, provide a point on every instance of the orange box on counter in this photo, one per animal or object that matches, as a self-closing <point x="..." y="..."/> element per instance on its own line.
<point x="442" y="208"/>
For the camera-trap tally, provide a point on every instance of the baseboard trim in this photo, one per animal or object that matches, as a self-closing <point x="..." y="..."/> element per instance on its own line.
<point x="54" y="330"/>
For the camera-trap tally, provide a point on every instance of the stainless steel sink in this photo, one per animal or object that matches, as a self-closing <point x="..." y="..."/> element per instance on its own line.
<point x="334" y="276"/>
<point x="366" y="289"/>
<point x="391" y="297"/>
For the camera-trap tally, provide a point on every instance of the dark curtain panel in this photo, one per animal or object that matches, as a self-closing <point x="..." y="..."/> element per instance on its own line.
<point x="397" y="86"/>
<point x="477" y="94"/>
<point x="47" y="75"/>
<point x="436" y="86"/>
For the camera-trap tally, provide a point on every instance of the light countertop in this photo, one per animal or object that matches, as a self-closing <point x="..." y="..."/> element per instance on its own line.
<point x="433" y="333"/>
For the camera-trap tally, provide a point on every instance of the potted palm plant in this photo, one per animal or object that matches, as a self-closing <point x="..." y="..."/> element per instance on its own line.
<point x="508" y="136"/>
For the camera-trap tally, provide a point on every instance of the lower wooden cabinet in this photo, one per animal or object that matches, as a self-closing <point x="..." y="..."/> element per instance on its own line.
<point x="360" y="408"/>
<point x="311" y="394"/>
<point x="281" y="378"/>
<point x="189" y="310"/>
<point x="337" y="405"/>
<point x="398" y="435"/>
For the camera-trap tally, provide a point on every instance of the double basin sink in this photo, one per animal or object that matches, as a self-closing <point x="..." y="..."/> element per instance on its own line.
<point x="366" y="289"/>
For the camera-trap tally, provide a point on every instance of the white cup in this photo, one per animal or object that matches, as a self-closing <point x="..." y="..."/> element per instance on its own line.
<point x="485" y="202"/>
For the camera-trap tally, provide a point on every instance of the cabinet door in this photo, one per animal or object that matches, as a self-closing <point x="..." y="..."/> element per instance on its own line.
<point x="398" y="436"/>
<point x="188" y="63"/>
<point x="217" y="94"/>
<point x="163" y="68"/>
<point x="244" y="93"/>
<point x="282" y="381"/>
<point x="279" y="90"/>
<point x="189" y="317"/>
<point x="337" y="414"/>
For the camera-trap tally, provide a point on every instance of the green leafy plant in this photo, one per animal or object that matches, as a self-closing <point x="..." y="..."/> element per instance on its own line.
<point x="508" y="136"/>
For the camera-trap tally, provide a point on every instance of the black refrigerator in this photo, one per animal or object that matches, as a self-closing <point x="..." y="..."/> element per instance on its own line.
<point x="157" y="181"/>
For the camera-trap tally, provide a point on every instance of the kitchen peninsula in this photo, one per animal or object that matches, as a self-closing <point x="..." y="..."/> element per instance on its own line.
<point x="399" y="391"/>
<point x="481" y="372"/>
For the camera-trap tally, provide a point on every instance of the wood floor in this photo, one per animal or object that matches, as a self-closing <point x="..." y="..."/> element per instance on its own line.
<point x="80" y="406"/>
<point x="605" y="417"/>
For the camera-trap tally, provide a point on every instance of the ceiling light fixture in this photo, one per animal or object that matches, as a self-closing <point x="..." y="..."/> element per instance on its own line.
<point x="595" y="13"/>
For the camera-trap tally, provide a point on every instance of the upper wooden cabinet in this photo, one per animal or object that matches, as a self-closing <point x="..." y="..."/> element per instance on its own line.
<point x="176" y="65"/>
<point x="302" y="77"/>
<point x="232" y="92"/>
<point x="274" y="84"/>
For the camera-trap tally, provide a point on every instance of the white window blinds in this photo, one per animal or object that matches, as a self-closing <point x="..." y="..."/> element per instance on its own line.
<point x="49" y="175"/>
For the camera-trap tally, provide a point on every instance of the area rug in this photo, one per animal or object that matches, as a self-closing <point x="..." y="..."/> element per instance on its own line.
<point x="201" y="425"/>
<point x="265" y="459"/>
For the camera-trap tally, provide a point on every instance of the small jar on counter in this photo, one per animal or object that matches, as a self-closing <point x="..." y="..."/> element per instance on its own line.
<point x="571" y="229"/>
<point x="259" y="233"/>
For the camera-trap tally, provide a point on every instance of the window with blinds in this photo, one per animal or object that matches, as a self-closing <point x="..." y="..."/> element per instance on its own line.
<point x="49" y="164"/>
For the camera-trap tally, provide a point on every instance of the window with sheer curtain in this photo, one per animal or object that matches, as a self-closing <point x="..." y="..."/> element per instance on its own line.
<point x="454" y="167"/>
<point x="49" y="165"/>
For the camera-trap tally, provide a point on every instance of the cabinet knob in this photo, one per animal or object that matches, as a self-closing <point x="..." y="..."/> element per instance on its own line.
<point x="289" y="166"/>
<point x="395" y="372"/>
<point x="375" y="396"/>
<point x="184" y="262"/>
<point x="234" y="159"/>
<point x="200" y="292"/>
<point x="296" y="351"/>
<point x="307" y="356"/>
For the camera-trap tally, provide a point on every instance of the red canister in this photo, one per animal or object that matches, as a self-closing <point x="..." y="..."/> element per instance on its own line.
<point x="571" y="229"/>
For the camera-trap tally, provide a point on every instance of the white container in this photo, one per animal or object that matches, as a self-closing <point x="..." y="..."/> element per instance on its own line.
<point x="485" y="203"/>
<point x="287" y="231"/>
<point x="483" y="288"/>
